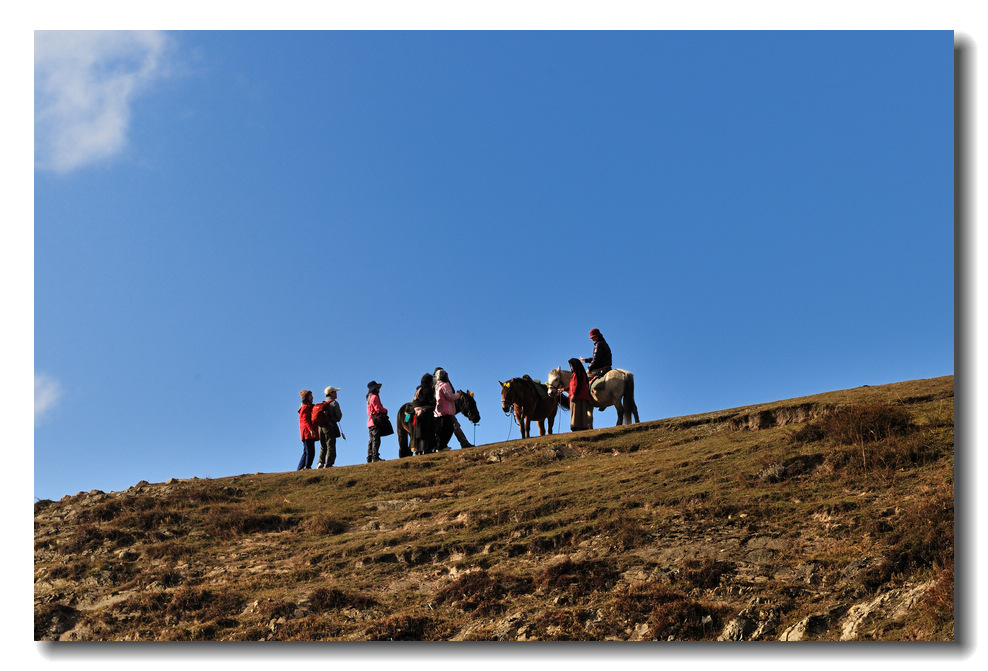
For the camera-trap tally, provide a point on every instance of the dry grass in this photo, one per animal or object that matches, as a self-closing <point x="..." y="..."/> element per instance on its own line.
<point x="659" y="530"/>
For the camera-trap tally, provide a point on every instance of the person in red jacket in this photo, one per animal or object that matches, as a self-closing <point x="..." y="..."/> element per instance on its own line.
<point x="580" y="403"/>
<point x="308" y="431"/>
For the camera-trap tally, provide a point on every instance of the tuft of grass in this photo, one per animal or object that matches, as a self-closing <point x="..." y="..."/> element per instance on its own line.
<point x="328" y="598"/>
<point x="481" y="592"/>
<point x="577" y="577"/>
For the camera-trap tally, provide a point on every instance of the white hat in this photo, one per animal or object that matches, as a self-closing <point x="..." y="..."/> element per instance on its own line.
<point x="330" y="390"/>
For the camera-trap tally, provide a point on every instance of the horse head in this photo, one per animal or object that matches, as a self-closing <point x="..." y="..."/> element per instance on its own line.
<point x="556" y="380"/>
<point x="467" y="405"/>
<point x="506" y="396"/>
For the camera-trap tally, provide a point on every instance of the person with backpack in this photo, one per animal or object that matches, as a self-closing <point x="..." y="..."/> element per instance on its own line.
<point x="327" y="416"/>
<point x="307" y="431"/>
<point x="374" y="407"/>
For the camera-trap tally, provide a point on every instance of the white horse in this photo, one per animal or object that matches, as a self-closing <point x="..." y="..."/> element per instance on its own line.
<point x="616" y="388"/>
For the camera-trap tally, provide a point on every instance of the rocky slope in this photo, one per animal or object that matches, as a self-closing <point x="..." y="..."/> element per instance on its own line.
<point x="822" y="518"/>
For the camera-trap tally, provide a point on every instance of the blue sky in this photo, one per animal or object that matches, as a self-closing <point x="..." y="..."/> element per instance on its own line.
<point x="224" y="218"/>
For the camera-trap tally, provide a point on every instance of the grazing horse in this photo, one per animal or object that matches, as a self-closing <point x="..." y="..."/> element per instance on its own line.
<point x="465" y="404"/>
<point x="616" y="388"/>
<point x="529" y="404"/>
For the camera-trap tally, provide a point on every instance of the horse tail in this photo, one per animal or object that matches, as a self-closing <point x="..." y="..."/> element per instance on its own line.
<point x="629" y="399"/>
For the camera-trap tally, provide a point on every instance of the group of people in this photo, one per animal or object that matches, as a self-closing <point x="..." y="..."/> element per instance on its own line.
<point x="433" y="416"/>
<point x="319" y="421"/>
<point x="434" y="423"/>
<point x="434" y="411"/>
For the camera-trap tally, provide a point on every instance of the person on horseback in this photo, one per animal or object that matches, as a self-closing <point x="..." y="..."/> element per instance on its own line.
<point x="600" y="362"/>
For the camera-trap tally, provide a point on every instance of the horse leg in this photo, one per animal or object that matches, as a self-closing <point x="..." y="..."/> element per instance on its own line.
<point x="403" y="436"/>
<point x="620" y="412"/>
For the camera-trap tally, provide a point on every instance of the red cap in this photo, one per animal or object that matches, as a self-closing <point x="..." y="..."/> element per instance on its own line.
<point x="594" y="332"/>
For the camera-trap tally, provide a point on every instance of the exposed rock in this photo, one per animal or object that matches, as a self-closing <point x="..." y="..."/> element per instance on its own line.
<point x="894" y="604"/>
<point x="813" y="626"/>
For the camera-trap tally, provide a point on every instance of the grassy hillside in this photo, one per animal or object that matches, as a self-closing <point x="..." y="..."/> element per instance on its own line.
<point x="827" y="517"/>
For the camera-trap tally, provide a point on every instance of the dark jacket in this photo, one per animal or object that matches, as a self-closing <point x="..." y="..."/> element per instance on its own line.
<point x="601" y="356"/>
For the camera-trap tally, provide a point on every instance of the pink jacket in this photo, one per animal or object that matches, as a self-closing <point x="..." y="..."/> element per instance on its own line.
<point x="445" y="399"/>
<point x="373" y="407"/>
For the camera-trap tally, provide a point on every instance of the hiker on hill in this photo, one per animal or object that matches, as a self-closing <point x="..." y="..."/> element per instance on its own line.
<point x="445" y="409"/>
<point x="326" y="416"/>
<point x="307" y="430"/>
<point x="600" y="362"/>
<point x="424" y="422"/>
<point x="374" y="407"/>
<point x="457" y="431"/>
<point x="580" y="404"/>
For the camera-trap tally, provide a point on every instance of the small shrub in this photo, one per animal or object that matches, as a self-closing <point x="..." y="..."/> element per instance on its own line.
<point x="406" y="628"/>
<point x="41" y="504"/>
<point x="323" y="599"/>
<point x="704" y="573"/>
<point x="480" y="592"/>
<point x="627" y="532"/>
<point x="869" y="423"/>
<point x="234" y="521"/>
<point x="326" y="525"/>
<point x="579" y="578"/>
<point x="51" y="619"/>
<point x="686" y="620"/>
<point x="203" y="603"/>
<point x="103" y="512"/>
<point x="634" y="603"/>
<point x="560" y="624"/>
<point x="168" y="550"/>
<point x="811" y="432"/>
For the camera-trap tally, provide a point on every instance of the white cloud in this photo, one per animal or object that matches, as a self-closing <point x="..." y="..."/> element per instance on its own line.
<point x="84" y="83"/>
<point x="47" y="391"/>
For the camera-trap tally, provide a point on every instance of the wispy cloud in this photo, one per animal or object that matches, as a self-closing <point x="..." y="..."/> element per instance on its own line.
<point x="47" y="391"/>
<point x="84" y="83"/>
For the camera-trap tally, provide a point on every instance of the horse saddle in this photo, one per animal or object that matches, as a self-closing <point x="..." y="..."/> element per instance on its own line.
<point x="541" y="389"/>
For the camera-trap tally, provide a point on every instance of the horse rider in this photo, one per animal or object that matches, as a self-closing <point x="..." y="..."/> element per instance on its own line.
<point x="600" y="362"/>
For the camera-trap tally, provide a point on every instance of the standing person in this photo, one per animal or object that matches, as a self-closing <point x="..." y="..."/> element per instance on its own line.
<point x="374" y="407"/>
<point x="600" y="362"/>
<point x="328" y="414"/>
<point x="445" y="409"/>
<point x="307" y="430"/>
<point x="457" y="431"/>
<point x="580" y="406"/>
<point x="424" y="428"/>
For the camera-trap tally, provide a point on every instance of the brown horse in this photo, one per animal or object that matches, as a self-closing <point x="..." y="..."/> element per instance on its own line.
<point x="465" y="405"/>
<point x="522" y="393"/>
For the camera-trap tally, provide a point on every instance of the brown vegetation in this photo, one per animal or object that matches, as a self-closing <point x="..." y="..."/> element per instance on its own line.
<point x="774" y="521"/>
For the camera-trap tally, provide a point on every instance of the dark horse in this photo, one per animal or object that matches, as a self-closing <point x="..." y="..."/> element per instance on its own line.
<point x="530" y="404"/>
<point x="465" y="405"/>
